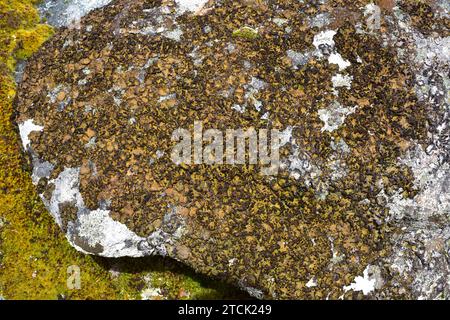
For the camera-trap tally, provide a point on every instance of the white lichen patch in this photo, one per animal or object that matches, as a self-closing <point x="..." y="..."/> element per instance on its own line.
<point x="98" y="228"/>
<point x="334" y="116"/>
<point x="247" y="64"/>
<point x="65" y="191"/>
<point x="156" y="21"/>
<point x="428" y="56"/>
<point x="336" y="58"/>
<point x="117" y="94"/>
<point x="25" y="129"/>
<point x="428" y="49"/>
<point x="170" y="96"/>
<point x="298" y="59"/>
<point x="189" y="5"/>
<point x="252" y="89"/>
<point x="300" y="167"/>
<point x="95" y="227"/>
<point x="172" y="229"/>
<point x="174" y="34"/>
<point x="196" y="57"/>
<point x="151" y="294"/>
<point x="311" y="283"/>
<point x="338" y="169"/>
<point x="230" y="47"/>
<point x="340" y="146"/>
<point x="238" y="108"/>
<point x="257" y="84"/>
<point x="231" y="262"/>
<point x="285" y="136"/>
<point x="423" y="219"/>
<point x="443" y="7"/>
<point x="372" y="14"/>
<point x="325" y="47"/>
<point x="320" y="20"/>
<point x="53" y="93"/>
<point x="336" y="257"/>
<point x="254" y="292"/>
<point x="280" y="21"/>
<point x="432" y="178"/>
<point x="59" y="95"/>
<point x="324" y="38"/>
<point x="41" y="169"/>
<point x="342" y="81"/>
<point x="366" y="284"/>
<point x="91" y="143"/>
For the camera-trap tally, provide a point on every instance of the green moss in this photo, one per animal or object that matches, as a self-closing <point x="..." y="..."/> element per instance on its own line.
<point x="28" y="41"/>
<point x="34" y="254"/>
<point x="20" y="31"/>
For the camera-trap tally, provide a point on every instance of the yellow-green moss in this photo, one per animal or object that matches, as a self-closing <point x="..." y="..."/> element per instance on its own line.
<point x="34" y="255"/>
<point x="246" y="33"/>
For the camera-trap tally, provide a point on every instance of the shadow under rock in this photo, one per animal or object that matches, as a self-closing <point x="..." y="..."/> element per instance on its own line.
<point x="212" y="288"/>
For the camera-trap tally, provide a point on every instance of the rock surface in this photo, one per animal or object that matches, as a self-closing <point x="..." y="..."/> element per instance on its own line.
<point x="361" y="203"/>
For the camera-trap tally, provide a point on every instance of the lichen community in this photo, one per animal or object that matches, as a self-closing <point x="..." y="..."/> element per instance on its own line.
<point x="34" y="254"/>
<point x="357" y="209"/>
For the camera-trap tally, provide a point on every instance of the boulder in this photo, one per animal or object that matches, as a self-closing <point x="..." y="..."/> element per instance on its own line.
<point x="351" y="100"/>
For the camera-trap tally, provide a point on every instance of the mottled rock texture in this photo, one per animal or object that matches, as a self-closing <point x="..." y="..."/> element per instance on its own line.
<point x="360" y="207"/>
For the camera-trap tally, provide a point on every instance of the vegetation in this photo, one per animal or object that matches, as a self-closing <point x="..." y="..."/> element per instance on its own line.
<point x="34" y="255"/>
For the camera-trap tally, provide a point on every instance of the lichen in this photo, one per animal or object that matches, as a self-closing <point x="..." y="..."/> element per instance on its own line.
<point x="389" y="118"/>
<point x="34" y="254"/>
<point x="329" y="231"/>
<point x="246" y="33"/>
